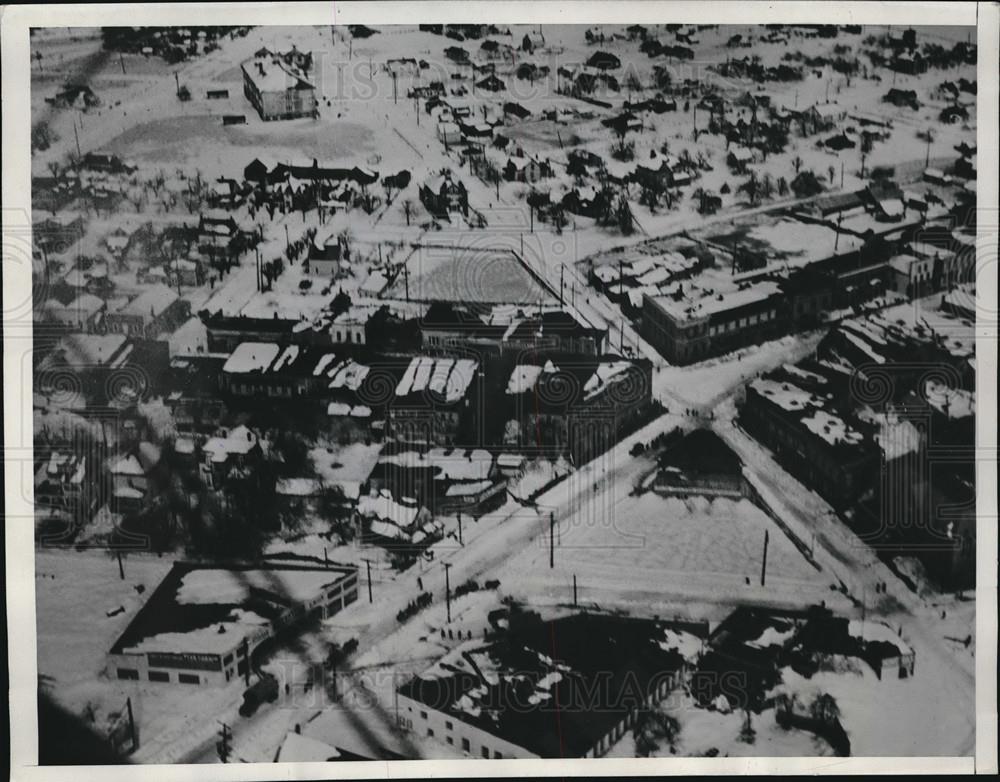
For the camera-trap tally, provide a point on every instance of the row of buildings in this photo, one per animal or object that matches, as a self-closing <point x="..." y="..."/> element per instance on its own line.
<point x="847" y="251"/>
<point x="881" y="423"/>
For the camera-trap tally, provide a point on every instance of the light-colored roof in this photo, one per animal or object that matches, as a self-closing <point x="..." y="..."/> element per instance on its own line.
<point x="251" y="357"/>
<point x="151" y="302"/>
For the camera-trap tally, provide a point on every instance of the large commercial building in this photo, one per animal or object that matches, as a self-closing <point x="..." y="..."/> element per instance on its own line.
<point x="277" y="89"/>
<point x="203" y="622"/>
<point x="686" y="329"/>
<point x="519" y="698"/>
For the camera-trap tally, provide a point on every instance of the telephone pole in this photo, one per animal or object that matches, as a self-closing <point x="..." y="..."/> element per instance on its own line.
<point x="552" y="540"/>
<point x="368" y="564"/>
<point x="447" y="589"/>
<point x="574" y="590"/>
<point x="121" y="567"/>
<point x="763" y="565"/>
<point x="460" y="543"/>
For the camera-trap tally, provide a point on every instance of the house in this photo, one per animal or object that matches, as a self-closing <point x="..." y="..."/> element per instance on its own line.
<point x="902" y="98"/>
<point x="236" y="449"/>
<point x="68" y="482"/>
<point x="83" y="314"/>
<point x="75" y="96"/>
<point x="449" y="133"/>
<point x="739" y="158"/>
<point x="327" y="258"/>
<point x="155" y="311"/>
<point x="107" y="163"/>
<point x="656" y="172"/>
<point x="392" y="523"/>
<point x="136" y="476"/>
<point x="522" y="168"/>
<point x="217" y="229"/>
<point x="443" y="196"/>
<point x="492" y="83"/>
<point x="277" y="89"/>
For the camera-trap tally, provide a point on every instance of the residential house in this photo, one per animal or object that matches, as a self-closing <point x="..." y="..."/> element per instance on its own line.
<point x="443" y="196"/>
<point x="155" y="311"/>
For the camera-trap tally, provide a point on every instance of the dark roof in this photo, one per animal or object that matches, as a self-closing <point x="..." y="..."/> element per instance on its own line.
<point x="163" y="614"/>
<point x="614" y="662"/>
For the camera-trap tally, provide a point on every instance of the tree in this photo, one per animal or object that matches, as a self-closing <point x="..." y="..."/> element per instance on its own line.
<point x="831" y="173"/>
<point x="408" y="210"/>
<point x="751" y="187"/>
<point x="796" y="163"/>
<point x="782" y="186"/>
<point x="624" y="216"/>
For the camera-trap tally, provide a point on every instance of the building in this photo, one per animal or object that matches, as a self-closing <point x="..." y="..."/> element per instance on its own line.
<point x="443" y="196"/>
<point x="911" y="276"/>
<point x="84" y="369"/>
<point x="523" y="168"/>
<point x="810" y="437"/>
<point x="327" y="258"/>
<point x="277" y="89"/>
<point x="227" y="451"/>
<point x="137" y="475"/>
<point x="203" y="622"/>
<point x="155" y="311"/>
<point x="579" y="405"/>
<point x="517" y="697"/>
<point x="685" y="329"/>
<point x="83" y="314"/>
<point x="436" y="401"/>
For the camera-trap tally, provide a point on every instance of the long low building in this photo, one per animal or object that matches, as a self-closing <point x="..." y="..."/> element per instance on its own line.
<point x="203" y="622"/>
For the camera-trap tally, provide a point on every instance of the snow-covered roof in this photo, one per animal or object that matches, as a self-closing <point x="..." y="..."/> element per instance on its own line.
<point x="383" y="507"/>
<point x="446" y="377"/>
<point x="298" y="487"/>
<point x="954" y="403"/>
<point x="239" y="440"/>
<point x="151" y="302"/>
<point x="251" y="357"/>
<point x="297" y="748"/>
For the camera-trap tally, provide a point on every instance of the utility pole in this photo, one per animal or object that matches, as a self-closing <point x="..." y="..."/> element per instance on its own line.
<point x="574" y="590"/>
<point x="121" y="567"/>
<point x="177" y="84"/>
<point x="552" y="540"/>
<point x="121" y="61"/>
<point x="841" y="174"/>
<point x="447" y="589"/>
<point x="763" y="565"/>
<point x="246" y="659"/>
<point x="562" y="284"/>
<point x="927" y="159"/>
<point x="131" y="724"/>
<point x="368" y="564"/>
<point x="460" y="543"/>
<point x="76" y="135"/>
<point x="394" y="93"/>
